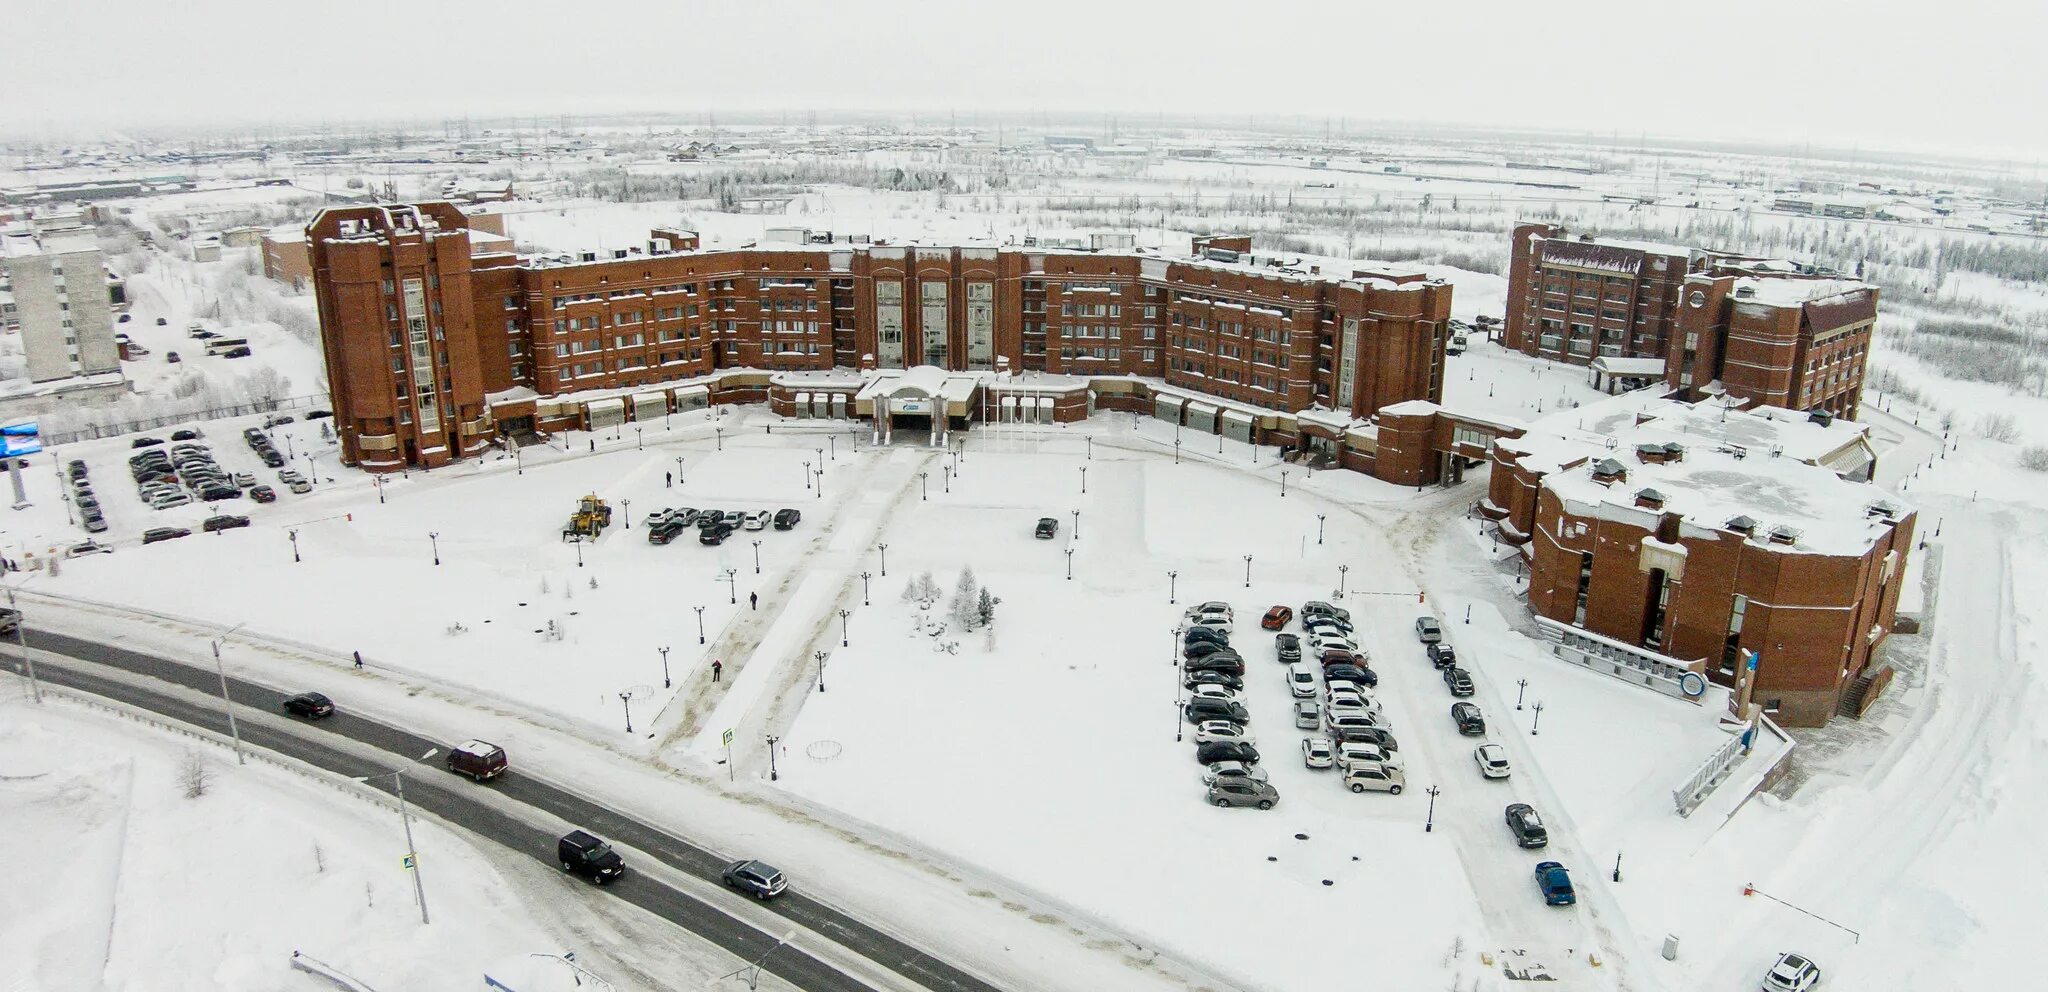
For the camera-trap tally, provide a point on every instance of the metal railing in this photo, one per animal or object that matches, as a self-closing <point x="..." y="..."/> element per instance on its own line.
<point x="89" y="432"/>
<point x="1631" y="664"/>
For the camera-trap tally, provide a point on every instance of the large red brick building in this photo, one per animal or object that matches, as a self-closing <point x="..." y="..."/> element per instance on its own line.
<point x="435" y="348"/>
<point x="1757" y="329"/>
<point x="1708" y="531"/>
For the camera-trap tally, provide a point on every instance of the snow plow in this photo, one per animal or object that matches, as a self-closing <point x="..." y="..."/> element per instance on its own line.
<point x="592" y="516"/>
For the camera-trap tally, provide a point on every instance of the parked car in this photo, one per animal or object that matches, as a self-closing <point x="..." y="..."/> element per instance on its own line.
<point x="1224" y="679"/>
<point x="757" y="520"/>
<point x="1556" y="884"/>
<point x="1492" y="760"/>
<point x="714" y="534"/>
<point x="1202" y="649"/>
<point x="1215" y="751"/>
<point x="311" y="705"/>
<point x="1469" y="721"/>
<point x="1210" y="634"/>
<point x="1047" y="529"/>
<point x="1442" y="654"/>
<point x="1324" y="621"/>
<point x="1317" y="607"/>
<point x="1208" y="709"/>
<point x="171" y="357"/>
<point x="1212" y="606"/>
<point x="271" y="458"/>
<point x="214" y="492"/>
<point x="1301" y="680"/>
<point x="1218" y="661"/>
<point x="1232" y="769"/>
<point x="1345" y="673"/>
<point x="1236" y="792"/>
<point x="161" y="321"/>
<point x="155" y="534"/>
<point x="299" y="486"/>
<point x="1459" y="681"/>
<point x="1215" y="622"/>
<point x="1375" y="778"/>
<point x="186" y="434"/>
<point x="1211" y="731"/>
<point x="1365" y="752"/>
<point x="584" y="854"/>
<point x="1337" y="656"/>
<point x="1351" y="696"/>
<point x="95" y="524"/>
<point x="1277" y="617"/>
<point x="1316" y="752"/>
<point x="245" y="479"/>
<point x="1287" y="647"/>
<point x="1308" y="714"/>
<point x="277" y="420"/>
<point x="145" y="442"/>
<point x="1527" y="826"/>
<point x="1791" y="973"/>
<point x="480" y="760"/>
<point x="664" y="532"/>
<point x="786" y="518"/>
<point x="223" y="521"/>
<point x="760" y="878"/>
<point x="319" y="414"/>
<point x="1427" y="630"/>
<point x="263" y="494"/>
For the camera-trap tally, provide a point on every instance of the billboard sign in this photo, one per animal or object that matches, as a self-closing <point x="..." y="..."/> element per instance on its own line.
<point x="20" y="439"/>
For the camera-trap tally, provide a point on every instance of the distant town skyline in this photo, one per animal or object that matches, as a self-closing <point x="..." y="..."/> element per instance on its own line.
<point x="1879" y="75"/>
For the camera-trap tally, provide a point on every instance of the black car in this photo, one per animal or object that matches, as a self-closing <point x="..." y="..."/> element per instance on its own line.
<point x="764" y="880"/>
<point x="1221" y="661"/>
<point x="1048" y="528"/>
<point x="225" y="521"/>
<point x="273" y="459"/>
<point x="1362" y="675"/>
<point x="311" y="705"/>
<point x="715" y="534"/>
<point x="1202" y="649"/>
<point x="1459" y="681"/>
<point x="146" y="442"/>
<point x="1216" y="751"/>
<point x="1210" y="634"/>
<point x="1288" y="647"/>
<point x="1347" y="673"/>
<point x="664" y="532"/>
<point x="1202" y="708"/>
<point x="584" y="854"/>
<point x="184" y="435"/>
<point x="160" y="321"/>
<point x="250" y="434"/>
<point x="319" y="414"/>
<point x="1224" y="679"/>
<point x="282" y="418"/>
<point x="1470" y="722"/>
<point x="1373" y="735"/>
<point x="235" y="353"/>
<point x="156" y="534"/>
<point x="1527" y="826"/>
<point x="786" y="518"/>
<point x="217" y="491"/>
<point x="1442" y="654"/>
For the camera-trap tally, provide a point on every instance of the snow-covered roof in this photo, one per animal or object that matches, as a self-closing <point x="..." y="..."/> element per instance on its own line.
<point x="1794" y="292"/>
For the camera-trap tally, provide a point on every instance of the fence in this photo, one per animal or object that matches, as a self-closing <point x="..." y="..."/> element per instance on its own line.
<point x="89" y="432"/>
<point x="1631" y="664"/>
<point x="1715" y="770"/>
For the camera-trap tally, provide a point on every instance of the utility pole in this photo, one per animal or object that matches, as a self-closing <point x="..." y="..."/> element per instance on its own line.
<point x="35" y="688"/>
<point x="234" y="730"/>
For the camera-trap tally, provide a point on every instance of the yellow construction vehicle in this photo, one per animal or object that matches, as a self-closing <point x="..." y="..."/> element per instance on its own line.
<point x="592" y="516"/>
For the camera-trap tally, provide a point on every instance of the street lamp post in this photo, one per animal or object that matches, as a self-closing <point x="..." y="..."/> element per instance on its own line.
<point x="1172" y="585"/>
<point x="821" y="480"/>
<point x="679" y="470"/>
<point x="757" y="557"/>
<point x="864" y="577"/>
<point x="843" y="614"/>
<point x="627" y="699"/>
<point x="626" y="512"/>
<point x="518" y="462"/>
<point x="1077" y="525"/>
<point x="1319" y="528"/>
<point x="1084" y="480"/>
<point x="294" y="535"/>
<point x="640" y="438"/>
<point x="226" y="704"/>
<point x="665" y="683"/>
<point x="1521" y="686"/>
<point x="35" y="688"/>
<point x="885" y="559"/>
<point x="379" y="480"/>
<point x="1070" y="564"/>
<point x="1091" y="447"/>
<point x="807" y="474"/>
<point x="832" y="444"/>
<point x="924" y="491"/>
<point x="1176" y="449"/>
<point x="1536" y="723"/>
<point x="719" y="432"/>
<point x="434" y="539"/>
<point x="1283" y="482"/>
<point x="946" y="472"/>
<point x="700" y="623"/>
<point x="821" y="656"/>
<point x="1429" y="820"/>
<point x="1341" y="569"/>
<point x="412" y="854"/>
<point x="732" y="588"/>
<point x="1247" y="571"/>
<point x="773" y="775"/>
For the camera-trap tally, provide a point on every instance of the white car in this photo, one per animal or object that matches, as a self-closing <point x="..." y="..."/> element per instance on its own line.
<point x="164" y="501"/>
<point x="1346" y="685"/>
<point x="1223" y="692"/>
<point x="299" y="486"/>
<point x="1221" y="625"/>
<point x="1492" y="759"/>
<point x="1209" y="731"/>
<point x="1322" y="641"/>
<point x="758" y="520"/>
<point x="1361" y="752"/>
<point x="1791" y="973"/>
<point x="1353" y="699"/>
<point x="1232" y="769"/>
<point x="1301" y="679"/>
<point x="1212" y="606"/>
<point x="1315" y="752"/>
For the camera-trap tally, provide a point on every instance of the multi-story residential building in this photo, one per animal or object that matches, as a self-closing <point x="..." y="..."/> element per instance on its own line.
<point x="435" y="347"/>
<point x="62" y="302"/>
<point x="1709" y="532"/>
<point x="1757" y="329"/>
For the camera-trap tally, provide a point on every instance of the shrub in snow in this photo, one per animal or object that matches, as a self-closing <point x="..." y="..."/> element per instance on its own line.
<point x="2034" y="458"/>
<point x="193" y="775"/>
<point x="962" y="610"/>
<point x="1999" y="427"/>
<point x="985" y="609"/>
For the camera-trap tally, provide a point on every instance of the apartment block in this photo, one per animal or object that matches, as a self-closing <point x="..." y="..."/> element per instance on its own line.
<point x="62" y="302"/>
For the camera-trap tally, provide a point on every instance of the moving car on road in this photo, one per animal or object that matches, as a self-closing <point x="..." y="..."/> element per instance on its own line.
<point x="1492" y="760"/>
<point x="480" y="760"/>
<point x="1427" y="630"/>
<point x="584" y="854"/>
<point x="1047" y="529"/>
<point x="760" y="878"/>
<point x="1556" y="884"/>
<point x="1469" y="721"/>
<point x="1527" y="826"/>
<point x="311" y="705"/>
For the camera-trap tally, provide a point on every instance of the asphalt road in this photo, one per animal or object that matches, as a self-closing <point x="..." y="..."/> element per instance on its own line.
<point x="454" y="800"/>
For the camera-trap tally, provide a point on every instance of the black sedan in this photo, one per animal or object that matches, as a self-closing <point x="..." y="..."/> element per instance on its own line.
<point x="1203" y="708"/>
<point x="1224" y="679"/>
<point x="1216" y="751"/>
<point x="311" y="705"/>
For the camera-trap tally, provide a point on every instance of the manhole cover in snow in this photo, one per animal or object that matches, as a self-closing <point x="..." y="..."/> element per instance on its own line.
<point x="1300" y="836"/>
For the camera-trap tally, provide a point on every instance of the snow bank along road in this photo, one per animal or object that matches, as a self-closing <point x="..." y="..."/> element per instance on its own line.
<point x="471" y="807"/>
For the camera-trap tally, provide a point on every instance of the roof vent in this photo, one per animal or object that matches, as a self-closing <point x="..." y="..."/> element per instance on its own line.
<point x="1674" y="452"/>
<point x="1821" y="417"/>
<point x="1650" y="453"/>
<point x="1607" y="471"/>
<point x="1782" y="534"/>
<point x="1742" y="525"/>
<point x="1883" y="509"/>
<point x="1650" y="499"/>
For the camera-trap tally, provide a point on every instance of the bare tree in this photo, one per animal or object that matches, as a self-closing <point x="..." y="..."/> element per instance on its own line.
<point x="193" y="775"/>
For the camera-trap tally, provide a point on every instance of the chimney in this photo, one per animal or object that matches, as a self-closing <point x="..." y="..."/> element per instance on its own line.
<point x="1744" y="292"/>
<point x="1742" y="525"/>
<point x="1649" y="499"/>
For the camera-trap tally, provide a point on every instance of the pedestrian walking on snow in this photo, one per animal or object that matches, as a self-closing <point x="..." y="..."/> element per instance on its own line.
<point x="754" y="600"/>
<point x="717" y="668"/>
<point x="359" y="661"/>
<point x="671" y="477"/>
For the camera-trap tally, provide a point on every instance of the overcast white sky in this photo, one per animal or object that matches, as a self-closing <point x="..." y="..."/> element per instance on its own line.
<point x="1966" y="75"/>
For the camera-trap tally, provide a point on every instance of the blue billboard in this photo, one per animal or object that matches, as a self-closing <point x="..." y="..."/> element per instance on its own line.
<point x="20" y="439"/>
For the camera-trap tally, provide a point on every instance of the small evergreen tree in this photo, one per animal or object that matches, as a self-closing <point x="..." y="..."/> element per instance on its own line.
<point x="985" y="610"/>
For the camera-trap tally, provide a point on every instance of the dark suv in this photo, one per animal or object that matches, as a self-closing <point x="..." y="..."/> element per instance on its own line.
<point x="786" y="518"/>
<point x="1442" y="654"/>
<point x="1048" y="528"/>
<point x="1288" y="646"/>
<point x="1470" y="722"/>
<point x="764" y="880"/>
<point x="584" y="854"/>
<point x="664" y="532"/>
<point x="1527" y="826"/>
<point x="1459" y="681"/>
<point x="311" y="705"/>
<point x="1202" y="708"/>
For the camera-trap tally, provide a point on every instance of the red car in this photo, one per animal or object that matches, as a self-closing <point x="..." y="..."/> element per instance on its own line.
<point x="263" y="494"/>
<point x="1277" y="617"/>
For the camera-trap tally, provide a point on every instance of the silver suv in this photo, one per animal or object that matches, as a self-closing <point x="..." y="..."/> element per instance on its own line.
<point x="1237" y="790"/>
